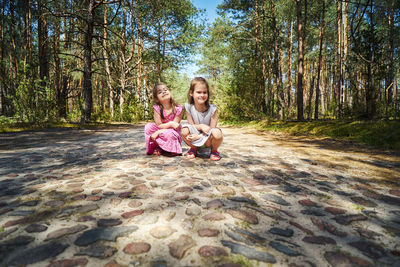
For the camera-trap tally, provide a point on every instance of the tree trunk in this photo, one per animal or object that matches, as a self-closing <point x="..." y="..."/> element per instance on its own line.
<point x="43" y="45"/>
<point x="87" y="65"/>
<point x="390" y="60"/>
<point x="371" y="92"/>
<point x="289" y="72"/>
<point x="107" y="65"/>
<point x="276" y="58"/>
<point x="311" y="91"/>
<point x="300" y="62"/>
<point x="60" y="98"/>
<point x="320" y="42"/>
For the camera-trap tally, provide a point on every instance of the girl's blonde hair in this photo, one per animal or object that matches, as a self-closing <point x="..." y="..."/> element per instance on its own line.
<point x="193" y="83"/>
<point x="155" y="99"/>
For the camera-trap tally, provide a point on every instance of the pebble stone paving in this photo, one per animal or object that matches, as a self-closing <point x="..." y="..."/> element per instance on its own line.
<point x="91" y="197"/>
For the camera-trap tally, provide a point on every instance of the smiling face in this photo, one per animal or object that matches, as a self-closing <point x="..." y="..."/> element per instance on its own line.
<point x="200" y="94"/>
<point x="162" y="94"/>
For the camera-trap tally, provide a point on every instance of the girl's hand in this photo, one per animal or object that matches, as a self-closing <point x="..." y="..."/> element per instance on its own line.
<point x="156" y="134"/>
<point x="205" y="128"/>
<point x="193" y="137"/>
<point x="175" y="125"/>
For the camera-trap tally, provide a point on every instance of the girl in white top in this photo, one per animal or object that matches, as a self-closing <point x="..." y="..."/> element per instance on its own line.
<point x="203" y="118"/>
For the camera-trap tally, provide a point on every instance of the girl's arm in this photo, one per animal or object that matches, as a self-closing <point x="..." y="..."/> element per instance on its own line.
<point x="200" y="127"/>
<point x="167" y="125"/>
<point x="214" y="120"/>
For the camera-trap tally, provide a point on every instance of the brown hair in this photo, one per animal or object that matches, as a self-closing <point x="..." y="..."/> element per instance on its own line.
<point x="155" y="99"/>
<point x="193" y="83"/>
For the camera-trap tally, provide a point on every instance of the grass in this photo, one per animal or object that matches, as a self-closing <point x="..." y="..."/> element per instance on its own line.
<point x="379" y="134"/>
<point x="18" y="126"/>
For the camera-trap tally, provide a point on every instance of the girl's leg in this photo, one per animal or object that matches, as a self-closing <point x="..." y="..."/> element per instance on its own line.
<point x="216" y="139"/>
<point x="151" y="145"/>
<point x="193" y="150"/>
<point x="215" y="142"/>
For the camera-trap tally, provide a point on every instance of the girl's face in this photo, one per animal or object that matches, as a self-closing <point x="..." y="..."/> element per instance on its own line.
<point x="163" y="94"/>
<point x="200" y="94"/>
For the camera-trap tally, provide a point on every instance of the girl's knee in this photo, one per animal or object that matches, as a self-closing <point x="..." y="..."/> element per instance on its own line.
<point x="217" y="134"/>
<point x="149" y="126"/>
<point x="185" y="131"/>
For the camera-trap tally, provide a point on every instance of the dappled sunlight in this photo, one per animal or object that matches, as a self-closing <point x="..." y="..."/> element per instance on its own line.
<point x="269" y="199"/>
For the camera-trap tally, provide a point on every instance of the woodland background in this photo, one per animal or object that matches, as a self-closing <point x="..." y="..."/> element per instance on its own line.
<point x="93" y="60"/>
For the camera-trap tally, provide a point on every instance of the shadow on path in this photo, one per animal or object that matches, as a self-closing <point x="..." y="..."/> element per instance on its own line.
<point x="92" y="196"/>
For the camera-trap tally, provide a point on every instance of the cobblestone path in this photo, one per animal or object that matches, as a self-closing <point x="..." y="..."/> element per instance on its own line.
<point x="93" y="198"/>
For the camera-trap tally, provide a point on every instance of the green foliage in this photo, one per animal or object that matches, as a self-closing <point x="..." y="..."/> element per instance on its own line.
<point x="33" y="102"/>
<point x="75" y="114"/>
<point x="178" y="84"/>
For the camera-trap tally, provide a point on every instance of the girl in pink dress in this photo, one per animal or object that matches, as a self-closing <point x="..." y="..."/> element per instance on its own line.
<point x="165" y="134"/>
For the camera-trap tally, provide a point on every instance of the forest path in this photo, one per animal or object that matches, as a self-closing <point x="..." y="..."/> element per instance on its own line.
<point x="92" y="197"/>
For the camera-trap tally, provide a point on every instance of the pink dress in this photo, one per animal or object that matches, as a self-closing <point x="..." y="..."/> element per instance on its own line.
<point x="170" y="139"/>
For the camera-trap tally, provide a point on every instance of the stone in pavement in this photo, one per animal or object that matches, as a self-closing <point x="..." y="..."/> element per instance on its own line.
<point x="395" y="192"/>
<point x="369" y="249"/>
<point x="97" y="251"/>
<point x="178" y="247"/>
<point x="313" y="212"/>
<point x="325" y="226"/>
<point x="184" y="189"/>
<point x="320" y="240"/>
<point x="226" y="190"/>
<point x="335" y="211"/>
<point x="276" y="199"/>
<point x="284" y="249"/>
<point x="108" y="222"/>
<point x="212" y="251"/>
<point x="65" y="231"/>
<point x="308" y="203"/>
<point x="282" y="232"/>
<point x="109" y="234"/>
<point x="243" y="199"/>
<point x="364" y="202"/>
<point x="162" y="231"/>
<point x="86" y="218"/>
<point x="193" y="211"/>
<point x="36" y="228"/>
<point x="18" y="241"/>
<point x="137" y="248"/>
<point x="347" y="219"/>
<point x="249" y="252"/>
<point x="208" y="232"/>
<point x="230" y="264"/>
<point x="214" y="204"/>
<point x="391" y="200"/>
<point x="244" y="215"/>
<point x="341" y="259"/>
<point x="135" y="203"/>
<point x="88" y="208"/>
<point x="214" y="216"/>
<point x="69" y="262"/>
<point x="5" y="233"/>
<point x="36" y="254"/>
<point x="130" y="214"/>
<point x="251" y="237"/>
<point x="54" y="203"/>
<point x="302" y="228"/>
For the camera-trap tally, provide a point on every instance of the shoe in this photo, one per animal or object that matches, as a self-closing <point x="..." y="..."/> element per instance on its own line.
<point x="157" y="152"/>
<point x="214" y="156"/>
<point x="192" y="153"/>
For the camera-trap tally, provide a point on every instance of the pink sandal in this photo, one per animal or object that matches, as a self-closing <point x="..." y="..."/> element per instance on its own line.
<point x="192" y="153"/>
<point x="214" y="156"/>
<point x="157" y="152"/>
